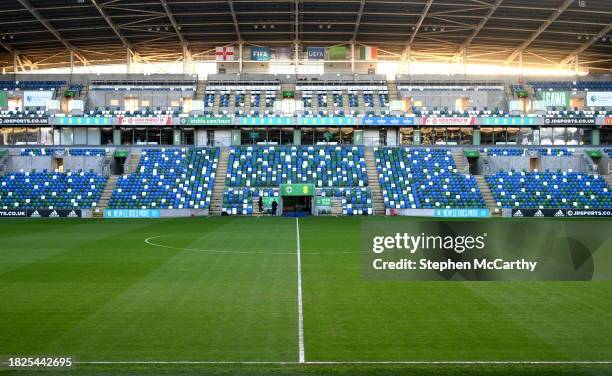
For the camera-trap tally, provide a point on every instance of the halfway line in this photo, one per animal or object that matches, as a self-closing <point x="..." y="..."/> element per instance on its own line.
<point x="302" y="357"/>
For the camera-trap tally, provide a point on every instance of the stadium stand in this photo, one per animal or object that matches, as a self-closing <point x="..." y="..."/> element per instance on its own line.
<point x="424" y="178"/>
<point x="75" y="152"/>
<point x="541" y="190"/>
<point x="572" y="85"/>
<point x="556" y="152"/>
<point x="504" y="152"/>
<point x="242" y="201"/>
<point x="168" y="179"/>
<point x="31" y="85"/>
<point x="340" y="170"/>
<point x="50" y="190"/>
<point x="354" y="201"/>
<point x="329" y="166"/>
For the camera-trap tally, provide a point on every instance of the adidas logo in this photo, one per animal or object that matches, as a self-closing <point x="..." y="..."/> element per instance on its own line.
<point x="72" y="214"/>
<point x="538" y="214"/>
<point x="36" y="214"/>
<point x="559" y="214"/>
<point x="518" y="213"/>
<point x="53" y="214"/>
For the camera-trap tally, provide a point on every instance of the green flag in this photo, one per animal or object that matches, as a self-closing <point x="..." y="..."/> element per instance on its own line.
<point x="337" y="53"/>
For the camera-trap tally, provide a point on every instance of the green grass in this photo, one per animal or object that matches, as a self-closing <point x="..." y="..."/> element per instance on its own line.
<point x="225" y="289"/>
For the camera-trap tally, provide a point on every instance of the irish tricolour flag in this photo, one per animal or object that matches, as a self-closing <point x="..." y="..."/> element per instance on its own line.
<point x="368" y="53"/>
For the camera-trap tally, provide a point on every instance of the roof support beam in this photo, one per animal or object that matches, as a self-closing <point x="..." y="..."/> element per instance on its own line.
<point x="173" y="21"/>
<point x="583" y="47"/>
<point x="297" y="22"/>
<point x="539" y="31"/>
<point x="235" y="19"/>
<point x="419" y="23"/>
<point x="479" y="27"/>
<point x="110" y="23"/>
<point x="358" y="21"/>
<point x="7" y="47"/>
<point x="26" y="4"/>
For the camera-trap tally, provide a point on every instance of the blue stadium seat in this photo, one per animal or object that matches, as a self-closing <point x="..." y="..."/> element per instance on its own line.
<point x="424" y="178"/>
<point x="168" y="179"/>
<point x="51" y="190"/>
<point x="542" y="190"/>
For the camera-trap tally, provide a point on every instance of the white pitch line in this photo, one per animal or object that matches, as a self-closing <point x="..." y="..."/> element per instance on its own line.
<point x="302" y="357"/>
<point x="365" y="362"/>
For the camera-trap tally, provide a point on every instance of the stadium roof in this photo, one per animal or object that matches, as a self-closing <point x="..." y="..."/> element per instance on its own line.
<point x="548" y="32"/>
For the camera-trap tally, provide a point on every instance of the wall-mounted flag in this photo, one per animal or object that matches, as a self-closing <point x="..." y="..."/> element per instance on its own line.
<point x="368" y="53"/>
<point x="316" y="53"/>
<point x="337" y="53"/>
<point x="284" y="53"/>
<point x="260" y="54"/>
<point x="224" y="53"/>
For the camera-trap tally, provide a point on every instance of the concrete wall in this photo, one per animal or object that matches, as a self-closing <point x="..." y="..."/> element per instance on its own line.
<point x="574" y="163"/>
<point x="27" y="163"/>
<point x="442" y="98"/>
<point x="223" y="137"/>
<point x="493" y="164"/>
<point x="103" y="98"/>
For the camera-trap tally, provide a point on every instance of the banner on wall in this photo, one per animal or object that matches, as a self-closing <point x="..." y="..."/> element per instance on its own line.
<point x="297" y="189"/>
<point x="260" y="53"/>
<point x="315" y="53"/>
<point x="442" y="121"/>
<point x="607" y="121"/>
<point x="599" y="99"/>
<point x="3" y="99"/>
<point x="561" y="213"/>
<point x="72" y="121"/>
<point x="570" y="121"/>
<point x="390" y="121"/>
<point x="206" y="121"/>
<point x="509" y="121"/>
<point x="136" y="121"/>
<point x="54" y="213"/>
<point x="132" y="213"/>
<point x="24" y="121"/>
<point x="37" y="98"/>
<point x="556" y="98"/>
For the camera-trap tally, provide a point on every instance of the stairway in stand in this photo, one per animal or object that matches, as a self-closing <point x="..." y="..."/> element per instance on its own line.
<point x="487" y="195"/>
<point x="374" y="185"/>
<point x="216" y="202"/>
<point x="336" y="208"/>
<point x="608" y="179"/>
<point x="107" y="192"/>
<point x="461" y="161"/>
<point x="133" y="163"/>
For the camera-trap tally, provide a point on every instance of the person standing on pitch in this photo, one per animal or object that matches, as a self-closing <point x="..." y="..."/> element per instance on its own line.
<point x="260" y="204"/>
<point x="274" y="207"/>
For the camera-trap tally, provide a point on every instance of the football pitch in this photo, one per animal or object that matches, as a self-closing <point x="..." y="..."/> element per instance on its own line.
<point x="275" y="295"/>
